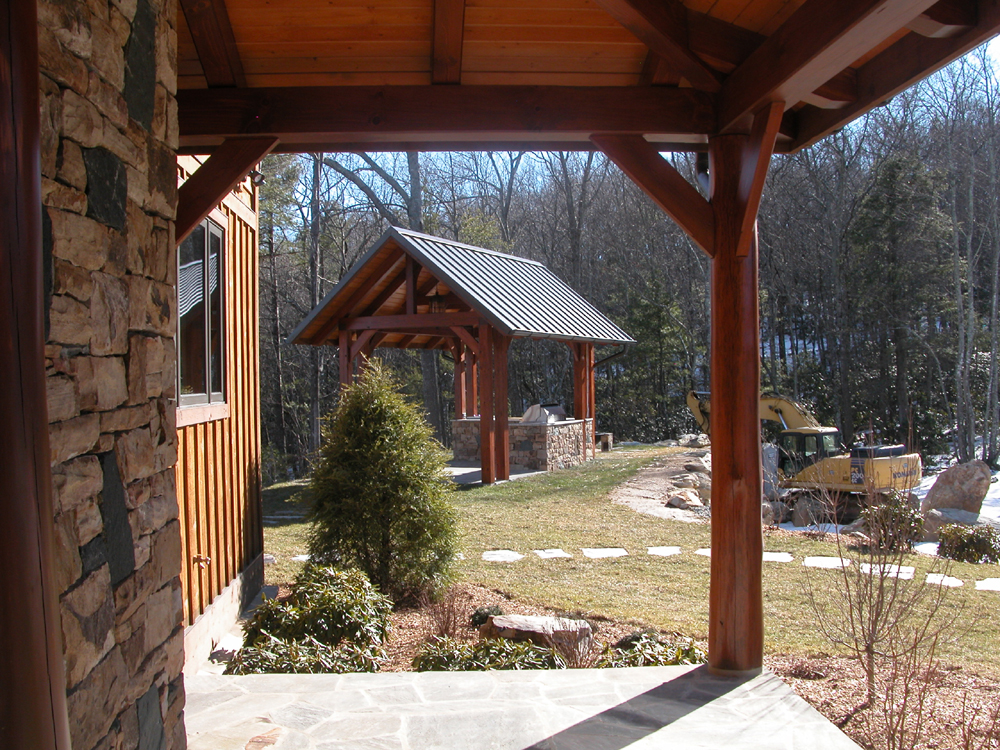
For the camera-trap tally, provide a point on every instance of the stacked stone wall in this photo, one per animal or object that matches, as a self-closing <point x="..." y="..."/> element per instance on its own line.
<point x="539" y="447"/>
<point x="109" y="138"/>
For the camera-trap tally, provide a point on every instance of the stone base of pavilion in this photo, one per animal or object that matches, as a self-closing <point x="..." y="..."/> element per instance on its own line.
<point x="598" y="709"/>
<point x="535" y="446"/>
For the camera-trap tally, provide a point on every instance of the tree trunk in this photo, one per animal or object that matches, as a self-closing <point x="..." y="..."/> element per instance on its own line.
<point x="315" y="362"/>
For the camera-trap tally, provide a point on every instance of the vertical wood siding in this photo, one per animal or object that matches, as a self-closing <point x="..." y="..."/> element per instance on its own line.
<point x="218" y="466"/>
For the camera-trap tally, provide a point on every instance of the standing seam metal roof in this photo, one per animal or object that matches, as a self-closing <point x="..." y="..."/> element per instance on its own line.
<point x="520" y="297"/>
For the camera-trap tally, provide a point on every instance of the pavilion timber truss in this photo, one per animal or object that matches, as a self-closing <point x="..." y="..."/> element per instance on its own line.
<point x="740" y="79"/>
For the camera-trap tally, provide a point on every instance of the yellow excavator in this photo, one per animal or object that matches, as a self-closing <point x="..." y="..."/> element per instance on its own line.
<point x="811" y="457"/>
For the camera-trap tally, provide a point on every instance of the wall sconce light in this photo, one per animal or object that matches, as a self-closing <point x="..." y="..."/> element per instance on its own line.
<point x="257" y="178"/>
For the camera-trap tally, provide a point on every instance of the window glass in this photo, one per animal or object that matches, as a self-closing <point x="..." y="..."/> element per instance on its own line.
<point x="200" y="307"/>
<point x="810" y="446"/>
<point x="830" y="442"/>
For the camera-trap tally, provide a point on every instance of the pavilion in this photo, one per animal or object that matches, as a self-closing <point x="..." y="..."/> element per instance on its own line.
<point x="127" y="85"/>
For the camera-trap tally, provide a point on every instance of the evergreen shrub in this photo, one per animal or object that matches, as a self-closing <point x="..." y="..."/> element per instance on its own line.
<point x="272" y="655"/>
<point x="482" y="614"/>
<point x="379" y="493"/>
<point x="973" y="544"/>
<point x="893" y="524"/>
<point x="450" y="655"/>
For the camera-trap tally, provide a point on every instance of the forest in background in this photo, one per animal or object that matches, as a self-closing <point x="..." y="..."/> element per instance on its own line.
<point x="879" y="275"/>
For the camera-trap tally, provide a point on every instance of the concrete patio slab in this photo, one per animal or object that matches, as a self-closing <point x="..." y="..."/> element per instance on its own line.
<point x="593" y="709"/>
<point x="470" y="472"/>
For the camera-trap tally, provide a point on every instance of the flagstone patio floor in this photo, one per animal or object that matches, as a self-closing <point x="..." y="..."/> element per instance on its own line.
<point x="582" y="709"/>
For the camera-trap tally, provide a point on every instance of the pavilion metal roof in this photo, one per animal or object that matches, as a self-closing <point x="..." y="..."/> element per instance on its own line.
<point x="520" y="297"/>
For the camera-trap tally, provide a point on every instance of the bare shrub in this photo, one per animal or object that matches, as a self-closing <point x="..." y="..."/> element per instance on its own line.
<point x="447" y="610"/>
<point x="980" y="724"/>
<point x="576" y="652"/>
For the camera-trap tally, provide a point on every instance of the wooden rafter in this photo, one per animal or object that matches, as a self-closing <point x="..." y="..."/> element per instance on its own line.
<point x="402" y="112"/>
<point x="904" y="63"/>
<point x="641" y="161"/>
<point x="410" y="322"/>
<point x="467" y="337"/>
<point x="381" y="270"/>
<point x="210" y="183"/>
<point x="208" y="21"/>
<point x="818" y="41"/>
<point x="390" y="289"/>
<point x="946" y="18"/>
<point x="753" y="170"/>
<point x="662" y="26"/>
<point x="449" y="30"/>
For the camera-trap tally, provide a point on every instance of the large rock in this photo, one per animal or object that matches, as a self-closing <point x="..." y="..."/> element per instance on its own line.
<point x="766" y="514"/>
<point x="809" y="510"/>
<point x="963" y="487"/>
<point x="683" y="498"/>
<point x="935" y="518"/>
<point x="541" y="630"/>
<point x="779" y="511"/>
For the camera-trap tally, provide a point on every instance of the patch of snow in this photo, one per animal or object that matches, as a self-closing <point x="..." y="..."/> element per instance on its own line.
<point x="501" y="555"/>
<point x="548" y="554"/>
<point x="301" y="558"/>
<point x="663" y="551"/>
<point x="778" y="557"/>
<point x="830" y="563"/>
<point x="926" y="548"/>
<point x="596" y="553"/>
<point x="942" y="580"/>
<point x="902" y="572"/>
<point x="826" y="528"/>
<point x="991" y="503"/>
<point x="703" y="552"/>
<point x="990" y="584"/>
<point x="459" y="556"/>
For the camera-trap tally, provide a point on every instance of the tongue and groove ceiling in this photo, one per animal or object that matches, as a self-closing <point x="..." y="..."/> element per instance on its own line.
<point x="437" y="74"/>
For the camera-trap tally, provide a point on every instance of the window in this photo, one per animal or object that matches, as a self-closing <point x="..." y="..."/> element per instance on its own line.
<point x="201" y="351"/>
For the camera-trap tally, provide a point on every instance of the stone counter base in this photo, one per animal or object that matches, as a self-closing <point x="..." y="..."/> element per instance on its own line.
<point x="539" y="447"/>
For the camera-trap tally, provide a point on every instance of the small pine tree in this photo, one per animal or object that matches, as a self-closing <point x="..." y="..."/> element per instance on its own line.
<point x="380" y="494"/>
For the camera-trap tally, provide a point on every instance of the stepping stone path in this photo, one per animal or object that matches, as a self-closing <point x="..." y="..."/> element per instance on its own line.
<point x="990" y="584"/>
<point x="782" y="557"/>
<point x="502" y="555"/>
<point x="703" y="552"/>
<point x="548" y="554"/>
<point x="663" y="551"/>
<point x="940" y="579"/>
<point x="599" y="552"/>
<point x="831" y="563"/>
<point x="902" y="572"/>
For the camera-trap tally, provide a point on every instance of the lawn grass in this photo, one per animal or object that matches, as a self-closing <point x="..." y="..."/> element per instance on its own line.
<point x="570" y="509"/>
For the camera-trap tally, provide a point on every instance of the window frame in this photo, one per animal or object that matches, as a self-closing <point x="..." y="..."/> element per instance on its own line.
<point x="210" y="404"/>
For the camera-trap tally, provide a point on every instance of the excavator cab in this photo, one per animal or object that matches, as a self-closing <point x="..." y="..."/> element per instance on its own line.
<point x="801" y="449"/>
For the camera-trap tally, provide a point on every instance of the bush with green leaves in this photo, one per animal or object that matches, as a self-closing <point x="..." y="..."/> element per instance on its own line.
<point x="450" y="655"/>
<point x="646" y="649"/>
<point x="482" y="614"/>
<point x="272" y="655"/>
<point x="379" y="493"/>
<point x="972" y="544"/>
<point x="326" y="604"/>
<point x="893" y="524"/>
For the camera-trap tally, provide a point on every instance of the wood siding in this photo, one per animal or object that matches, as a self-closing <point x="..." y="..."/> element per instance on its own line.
<point x="218" y="460"/>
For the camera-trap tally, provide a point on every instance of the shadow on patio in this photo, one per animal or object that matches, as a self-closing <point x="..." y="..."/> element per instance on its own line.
<point x="608" y="709"/>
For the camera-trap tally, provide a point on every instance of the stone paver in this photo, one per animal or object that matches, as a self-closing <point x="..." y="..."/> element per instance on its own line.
<point x="597" y="553"/>
<point x="826" y="562"/>
<point x="782" y="557"/>
<point x="548" y="554"/>
<point x="502" y="555"/>
<point x="704" y="552"/>
<point x="940" y="579"/>
<point x="663" y="551"/>
<point x="990" y="584"/>
<point x="607" y="709"/>
<point x="902" y="572"/>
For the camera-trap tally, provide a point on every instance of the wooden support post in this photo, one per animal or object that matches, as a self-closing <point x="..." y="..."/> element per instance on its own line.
<point x="32" y="679"/>
<point x="736" y="621"/>
<point x="345" y="358"/>
<point x="501" y="408"/>
<point x="581" y="401"/>
<point x="460" y="359"/>
<point x="472" y="384"/>
<point x="593" y="399"/>
<point x="487" y="432"/>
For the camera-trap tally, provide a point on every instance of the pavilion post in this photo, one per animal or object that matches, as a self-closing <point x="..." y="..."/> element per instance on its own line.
<point x="471" y="384"/>
<point x="736" y="621"/>
<point x="460" y="359"/>
<point x="593" y="399"/>
<point x="581" y="400"/>
<point x="32" y="679"/>
<point x="501" y="408"/>
<point x="487" y="426"/>
<point x="344" y="357"/>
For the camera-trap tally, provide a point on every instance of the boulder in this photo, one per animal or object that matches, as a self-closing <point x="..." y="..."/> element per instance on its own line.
<point x="809" y="510"/>
<point x="780" y="511"/>
<point x="541" y="630"/>
<point x="935" y="518"/>
<point x="766" y="514"/>
<point x="685" y="480"/>
<point x="683" y="498"/>
<point x="963" y="487"/>
<point x="701" y="466"/>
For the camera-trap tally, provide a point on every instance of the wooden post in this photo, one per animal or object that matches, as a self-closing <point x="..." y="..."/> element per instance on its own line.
<point x="459" y="354"/>
<point x="32" y="679"/>
<point x="345" y="358"/>
<point x="471" y="384"/>
<point x="736" y="620"/>
<point x="580" y="399"/>
<point x="502" y="445"/>
<point x="593" y="398"/>
<point x="487" y="433"/>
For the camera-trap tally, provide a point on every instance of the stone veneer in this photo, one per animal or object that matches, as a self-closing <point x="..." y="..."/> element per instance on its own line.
<point x="537" y="446"/>
<point x="109" y="187"/>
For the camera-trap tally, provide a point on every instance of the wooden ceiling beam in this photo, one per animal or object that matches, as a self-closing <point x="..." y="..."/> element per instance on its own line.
<point x="818" y="41"/>
<point x="410" y="322"/>
<point x="946" y="18"/>
<point x="403" y="112"/>
<point x="399" y="146"/>
<point x="897" y="68"/>
<point x="208" y="21"/>
<point x="380" y="272"/>
<point x="449" y="31"/>
<point x="640" y="160"/>
<point x="213" y="180"/>
<point x="662" y="25"/>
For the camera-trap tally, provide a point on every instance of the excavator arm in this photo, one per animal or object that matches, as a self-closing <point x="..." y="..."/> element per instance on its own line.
<point x="772" y="407"/>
